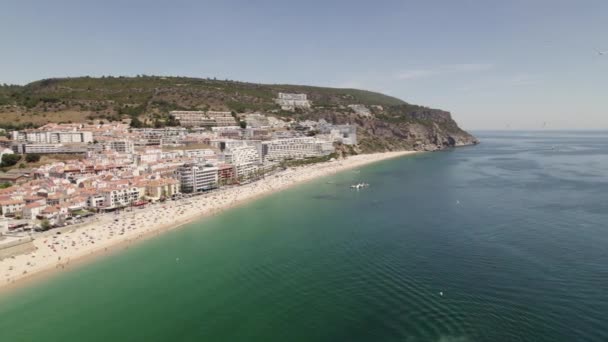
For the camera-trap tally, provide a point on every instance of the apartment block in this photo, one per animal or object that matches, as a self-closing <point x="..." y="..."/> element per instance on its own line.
<point x="289" y="101"/>
<point x="159" y="136"/>
<point x="164" y="187"/>
<point x="245" y="159"/>
<point x="197" y="177"/>
<point x="120" y="146"/>
<point x="226" y="173"/>
<point x="120" y="197"/>
<point x="256" y="120"/>
<point x="11" y="207"/>
<point x="59" y="137"/>
<point x="47" y="148"/>
<point x="203" y="118"/>
<point x="295" y="148"/>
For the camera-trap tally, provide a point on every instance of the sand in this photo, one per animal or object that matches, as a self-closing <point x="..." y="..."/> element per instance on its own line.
<point x="110" y="232"/>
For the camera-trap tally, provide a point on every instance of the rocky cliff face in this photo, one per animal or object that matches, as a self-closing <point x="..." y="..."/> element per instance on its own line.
<point x="379" y="135"/>
<point x="401" y="127"/>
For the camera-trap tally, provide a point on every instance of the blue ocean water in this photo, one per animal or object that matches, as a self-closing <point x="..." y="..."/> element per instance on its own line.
<point x="505" y="241"/>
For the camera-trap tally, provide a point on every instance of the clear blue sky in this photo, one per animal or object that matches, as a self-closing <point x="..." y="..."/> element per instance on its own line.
<point x="491" y="63"/>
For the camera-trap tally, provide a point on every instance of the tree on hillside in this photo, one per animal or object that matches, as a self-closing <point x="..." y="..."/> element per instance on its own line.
<point x="243" y="124"/>
<point x="171" y="121"/>
<point x="136" y="123"/>
<point x="32" y="157"/>
<point x="9" y="160"/>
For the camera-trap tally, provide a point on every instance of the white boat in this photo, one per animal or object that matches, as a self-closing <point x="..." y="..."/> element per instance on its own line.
<point x="359" y="186"/>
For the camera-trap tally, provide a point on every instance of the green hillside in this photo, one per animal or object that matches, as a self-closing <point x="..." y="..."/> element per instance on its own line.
<point x="150" y="98"/>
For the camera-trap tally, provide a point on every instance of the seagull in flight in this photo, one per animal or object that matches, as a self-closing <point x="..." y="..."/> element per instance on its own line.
<point x="601" y="53"/>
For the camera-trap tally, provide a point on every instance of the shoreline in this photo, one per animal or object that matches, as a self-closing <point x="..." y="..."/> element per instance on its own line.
<point x="111" y="233"/>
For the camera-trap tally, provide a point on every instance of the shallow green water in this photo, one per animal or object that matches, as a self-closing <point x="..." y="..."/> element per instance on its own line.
<point x="512" y="232"/>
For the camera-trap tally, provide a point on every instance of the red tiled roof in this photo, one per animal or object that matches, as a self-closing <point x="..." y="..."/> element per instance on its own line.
<point x="12" y="201"/>
<point x="50" y="210"/>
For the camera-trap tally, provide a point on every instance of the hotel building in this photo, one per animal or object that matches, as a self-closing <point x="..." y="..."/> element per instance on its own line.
<point x="295" y="148"/>
<point x="60" y="137"/>
<point x="245" y="159"/>
<point x="197" y="177"/>
<point x="289" y="101"/>
<point x="120" y="197"/>
<point x="203" y="119"/>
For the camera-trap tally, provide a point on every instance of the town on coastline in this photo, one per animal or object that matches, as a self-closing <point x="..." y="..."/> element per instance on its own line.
<point x="101" y="167"/>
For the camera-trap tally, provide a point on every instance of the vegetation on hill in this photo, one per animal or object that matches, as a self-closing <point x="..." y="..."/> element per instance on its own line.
<point x="9" y="160"/>
<point x="147" y="100"/>
<point x="33" y="160"/>
<point x="150" y="98"/>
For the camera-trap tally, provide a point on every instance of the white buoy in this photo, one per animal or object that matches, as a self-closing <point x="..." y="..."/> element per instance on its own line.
<point x="441" y="293"/>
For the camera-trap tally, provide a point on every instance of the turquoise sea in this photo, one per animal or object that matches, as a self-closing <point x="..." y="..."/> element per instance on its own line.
<point x="505" y="241"/>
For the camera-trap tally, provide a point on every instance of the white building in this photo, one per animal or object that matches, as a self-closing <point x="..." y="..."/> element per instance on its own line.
<point x="245" y="159"/>
<point x="120" y="146"/>
<point x="224" y="128"/>
<point x="256" y="120"/>
<point x="148" y="156"/>
<point x="11" y="207"/>
<point x="222" y="118"/>
<point x="50" y="137"/>
<point x="30" y="211"/>
<point x="45" y="148"/>
<point x="256" y="133"/>
<point x="346" y="134"/>
<point x="190" y="118"/>
<point x="227" y="132"/>
<point x="226" y="144"/>
<point x="159" y="136"/>
<point x="96" y="201"/>
<point x="295" y="148"/>
<point x="197" y="177"/>
<point x="120" y="197"/>
<point x="199" y="153"/>
<point x="289" y="101"/>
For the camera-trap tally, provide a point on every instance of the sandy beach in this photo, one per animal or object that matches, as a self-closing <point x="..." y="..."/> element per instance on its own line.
<point x="111" y="232"/>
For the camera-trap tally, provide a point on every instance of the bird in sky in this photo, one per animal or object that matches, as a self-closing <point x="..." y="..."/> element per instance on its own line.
<point x="601" y="53"/>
